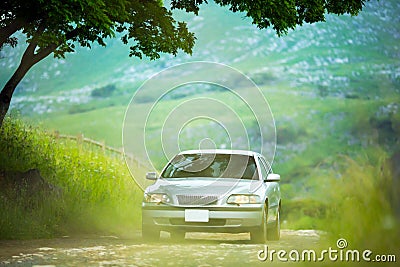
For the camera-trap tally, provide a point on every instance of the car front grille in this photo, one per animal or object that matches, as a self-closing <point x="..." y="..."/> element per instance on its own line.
<point x="211" y="222"/>
<point x="197" y="199"/>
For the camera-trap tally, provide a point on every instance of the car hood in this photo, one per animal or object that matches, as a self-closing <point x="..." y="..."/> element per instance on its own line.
<point x="204" y="186"/>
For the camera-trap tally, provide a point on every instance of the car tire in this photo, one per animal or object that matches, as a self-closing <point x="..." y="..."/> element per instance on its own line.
<point x="150" y="234"/>
<point x="275" y="232"/>
<point x="259" y="235"/>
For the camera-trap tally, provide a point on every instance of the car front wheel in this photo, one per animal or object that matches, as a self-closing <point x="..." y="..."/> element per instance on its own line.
<point x="259" y="235"/>
<point x="275" y="232"/>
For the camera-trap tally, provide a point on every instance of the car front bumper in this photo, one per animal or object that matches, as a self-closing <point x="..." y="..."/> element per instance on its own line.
<point x="231" y="219"/>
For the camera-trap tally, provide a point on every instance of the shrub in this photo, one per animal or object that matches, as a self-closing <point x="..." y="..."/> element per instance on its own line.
<point x="104" y="91"/>
<point x="359" y="207"/>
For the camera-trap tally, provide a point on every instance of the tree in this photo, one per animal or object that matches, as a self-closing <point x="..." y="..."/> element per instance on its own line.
<point x="56" y="26"/>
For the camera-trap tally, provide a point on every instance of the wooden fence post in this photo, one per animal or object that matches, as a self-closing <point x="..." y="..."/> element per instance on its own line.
<point x="79" y="139"/>
<point x="103" y="146"/>
<point x="56" y="134"/>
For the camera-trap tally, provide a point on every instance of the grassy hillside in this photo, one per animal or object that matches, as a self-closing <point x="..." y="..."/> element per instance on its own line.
<point x="311" y="131"/>
<point x="92" y="191"/>
<point x="353" y="56"/>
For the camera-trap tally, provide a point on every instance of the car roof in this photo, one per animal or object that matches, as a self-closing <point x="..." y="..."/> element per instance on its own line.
<point x="221" y="151"/>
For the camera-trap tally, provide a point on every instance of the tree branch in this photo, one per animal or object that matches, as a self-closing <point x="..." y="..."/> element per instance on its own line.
<point x="42" y="53"/>
<point x="30" y="57"/>
<point x="11" y="28"/>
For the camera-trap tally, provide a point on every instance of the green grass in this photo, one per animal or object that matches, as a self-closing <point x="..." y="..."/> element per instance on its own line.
<point x="360" y="203"/>
<point x="97" y="193"/>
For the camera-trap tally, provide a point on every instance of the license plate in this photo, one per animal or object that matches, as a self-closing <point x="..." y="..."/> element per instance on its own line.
<point x="194" y="215"/>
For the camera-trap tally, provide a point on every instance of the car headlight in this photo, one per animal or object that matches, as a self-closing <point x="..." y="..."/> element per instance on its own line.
<point x="243" y="199"/>
<point x="156" y="198"/>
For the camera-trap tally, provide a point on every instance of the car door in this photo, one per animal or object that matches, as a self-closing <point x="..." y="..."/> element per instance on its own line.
<point x="273" y="191"/>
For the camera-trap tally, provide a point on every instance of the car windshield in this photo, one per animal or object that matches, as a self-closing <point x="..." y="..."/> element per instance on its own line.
<point x="212" y="166"/>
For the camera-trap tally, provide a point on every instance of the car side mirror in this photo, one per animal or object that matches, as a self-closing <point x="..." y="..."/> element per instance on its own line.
<point x="151" y="176"/>
<point x="273" y="177"/>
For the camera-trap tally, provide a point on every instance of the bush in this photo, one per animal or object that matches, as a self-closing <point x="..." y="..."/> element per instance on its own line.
<point x="303" y="213"/>
<point x="104" y="91"/>
<point x="289" y="132"/>
<point x="81" y="108"/>
<point x="360" y="207"/>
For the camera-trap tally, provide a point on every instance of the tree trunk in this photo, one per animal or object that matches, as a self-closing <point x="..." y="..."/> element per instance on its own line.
<point x="29" y="59"/>
<point x="9" y="88"/>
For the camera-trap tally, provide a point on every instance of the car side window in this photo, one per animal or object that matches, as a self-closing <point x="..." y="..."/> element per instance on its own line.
<point x="264" y="171"/>
<point x="267" y="166"/>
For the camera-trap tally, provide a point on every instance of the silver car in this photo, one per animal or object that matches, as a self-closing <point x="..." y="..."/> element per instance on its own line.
<point x="213" y="191"/>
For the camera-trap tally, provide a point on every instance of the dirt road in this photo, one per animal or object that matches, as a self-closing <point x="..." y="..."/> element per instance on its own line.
<point x="196" y="250"/>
